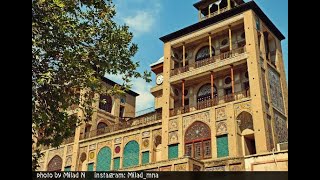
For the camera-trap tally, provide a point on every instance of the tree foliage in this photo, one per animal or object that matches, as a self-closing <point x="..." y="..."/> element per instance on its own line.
<point x="74" y="43"/>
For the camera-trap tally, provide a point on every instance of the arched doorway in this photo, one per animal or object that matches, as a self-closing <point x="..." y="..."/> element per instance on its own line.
<point x="55" y="164"/>
<point x="104" y="159"/>
<point x="107" y="104"/>
<point x="245" y="126"/>
<point x="157" y="148"/>
<point x="131" y="154"/>
<point x="198" y="141"/>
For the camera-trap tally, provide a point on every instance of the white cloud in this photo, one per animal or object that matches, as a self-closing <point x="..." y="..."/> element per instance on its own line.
<point x="139" y="15"/>
<point x="141" y="22"/>
<point x="145" y="99"/>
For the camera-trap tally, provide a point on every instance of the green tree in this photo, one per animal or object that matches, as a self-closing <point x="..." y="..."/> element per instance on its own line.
<point x="74" y="44"/>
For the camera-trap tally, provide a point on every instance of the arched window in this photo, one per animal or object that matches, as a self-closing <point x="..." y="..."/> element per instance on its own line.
<point x="104" y="159"/>
<point x="131" y="154"/>
<point x="198" y="141"/>
<point x="204" y="92"/>
<point x="107" y="106"/>
<point x="204" y="53"/>
<point x="55" y="164"/>
<point x="102" y="128"/>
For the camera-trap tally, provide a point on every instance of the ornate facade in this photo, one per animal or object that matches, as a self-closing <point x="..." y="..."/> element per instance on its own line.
<point x="220" y="103"/>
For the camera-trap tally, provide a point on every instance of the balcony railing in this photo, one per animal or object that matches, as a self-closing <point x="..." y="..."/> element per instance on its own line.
<point x="208" y="102"/>
<point x="142" y="120"/>
<point x="215" y="13"/>
<point x="220" y="57"/>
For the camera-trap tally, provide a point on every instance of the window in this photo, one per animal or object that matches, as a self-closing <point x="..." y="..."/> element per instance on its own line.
<point x="121" y="112"/>
<point x="145" y="157"/>
<point x="105" y="103"/>
<point x="227" y="80"/>
<point x="188" y="150"/>
<point x="224" y="42"/>
<point x="207" y="148"/>
<point x="116" y="163"/>
<point x="222" y="146"/>
<point x="101" y="128"/>
<point x="104" y="159"/>
<point x="257" y="23"/>
<point x="204" y="92"/>
<point x="173" y="151"/>
<point x="67" y="168"/>
<point x="90" y="166"/>
<point x="123" y="100"/>
<point x="198" y="141"/>
<point x="131" y="154"/>
<point x="204" y="53"/>
<point x="197" y="150"/>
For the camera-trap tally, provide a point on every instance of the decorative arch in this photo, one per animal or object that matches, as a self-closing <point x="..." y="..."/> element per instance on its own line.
<point x="204" y="92"/>
<point x="245" y="124"/>
<point x="82" y="160"/>
<point x="131" y="154"/>
<point x="198" y="140"/>
<point x="55" y="164"/>
<point x="104" y="159"/>
<point x="204" y="53"/>
<point x="107" y="106"/>
<point x="245" y="121"/>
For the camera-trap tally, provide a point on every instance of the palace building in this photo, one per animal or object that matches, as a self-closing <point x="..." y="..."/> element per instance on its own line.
<point x="221" y="103"/>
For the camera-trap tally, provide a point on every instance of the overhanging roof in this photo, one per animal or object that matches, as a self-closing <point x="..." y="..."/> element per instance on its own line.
<point x="112" y="83"/>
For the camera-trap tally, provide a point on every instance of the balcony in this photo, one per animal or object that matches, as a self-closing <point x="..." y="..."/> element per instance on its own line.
<point x="146" y="119"/>
<point x="217" y="58"/>
<point x="205" y="103"/>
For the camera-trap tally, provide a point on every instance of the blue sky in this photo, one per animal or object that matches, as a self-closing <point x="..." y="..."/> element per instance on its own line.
<point x="151" y="19"/>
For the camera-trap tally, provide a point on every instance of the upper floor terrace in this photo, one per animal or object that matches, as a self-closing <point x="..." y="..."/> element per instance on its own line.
<point x="224" y="46"/>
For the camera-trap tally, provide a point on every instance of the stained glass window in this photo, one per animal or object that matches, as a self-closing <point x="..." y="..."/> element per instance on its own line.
<point x="207" y="148"/>
<point x="198" y="130"/>
<point x="145" y="157"/>
<point x="116" y="163"/>
<point x="204" y="53"/>
<point x="90" y="166"/>
<point x="173" y="151"/>
<point x="198" y="141"/>
<point x="131" y="154"/>
<point x="204" y="92"/>
<point x="197" y="150"/>
<point x="189" y="150"/>
<point x="222" y="146"/>
<point x="104" y="159"/>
